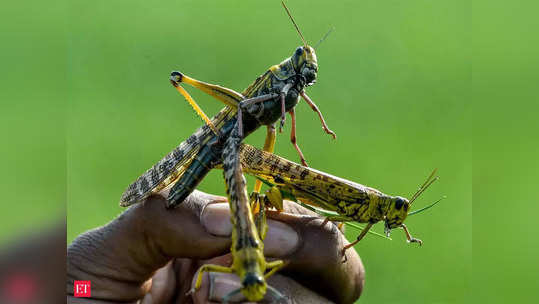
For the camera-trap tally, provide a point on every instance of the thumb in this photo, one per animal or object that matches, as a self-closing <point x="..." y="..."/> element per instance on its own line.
<point x="121" y="257"/>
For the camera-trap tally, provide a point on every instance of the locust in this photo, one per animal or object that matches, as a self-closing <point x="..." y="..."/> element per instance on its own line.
<point x="262" y="103"/>
<point x="217" y="142"/>
<point x="247" y="246"/>
<point x="351" y="201"/>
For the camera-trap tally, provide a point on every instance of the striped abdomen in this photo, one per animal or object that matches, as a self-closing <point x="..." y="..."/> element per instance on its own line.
<point x="174" y="164"/>
<point x="244" y="234"/>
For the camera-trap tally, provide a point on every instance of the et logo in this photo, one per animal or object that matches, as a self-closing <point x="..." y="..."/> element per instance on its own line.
<point x="82" y="289"/>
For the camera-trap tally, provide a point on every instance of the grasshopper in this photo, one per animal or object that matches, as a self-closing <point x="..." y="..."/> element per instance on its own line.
<point x="247" y="247"/>
<point x="267" y="99"/>
<point x="351" y="201"/>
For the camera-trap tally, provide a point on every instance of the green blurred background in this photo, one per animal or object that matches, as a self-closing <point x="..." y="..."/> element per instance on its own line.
<point x="394" y="84"/>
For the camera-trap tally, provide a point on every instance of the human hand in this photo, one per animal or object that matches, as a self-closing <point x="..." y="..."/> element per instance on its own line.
<point x="151" y="254"/>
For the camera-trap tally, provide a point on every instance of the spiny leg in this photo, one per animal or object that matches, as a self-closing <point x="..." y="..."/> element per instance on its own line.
<point x="315" y="108"/>
<point x="359" y="237"/>
<point x="208" y="268"/>
<point x="293" y="137"/>
<point x="195" y="106"/>
<point x="409" y="236"/>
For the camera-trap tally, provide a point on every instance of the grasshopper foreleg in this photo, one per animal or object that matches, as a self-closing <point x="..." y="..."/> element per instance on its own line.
<point x="315" y="108"/>
<point x="409" y="237"/>
<point x="293" y="137"/>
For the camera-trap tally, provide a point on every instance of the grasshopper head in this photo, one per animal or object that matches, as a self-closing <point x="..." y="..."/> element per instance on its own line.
<point x="253" y="287"/>
<point x="253" y="284"/>
<point x="396" y="213"/>
<point x="305" y="64"/>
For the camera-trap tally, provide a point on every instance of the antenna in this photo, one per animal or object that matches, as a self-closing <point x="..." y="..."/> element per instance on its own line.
<point x="431" y="179"/>
<point x="295" y="25"/>
<point x="324" y="38"/>
<point x="427" y="207"/>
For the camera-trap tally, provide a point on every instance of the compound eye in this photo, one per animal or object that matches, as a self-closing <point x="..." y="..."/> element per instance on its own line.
<point x="299" y="51"/>
<point x="399" y="203"/>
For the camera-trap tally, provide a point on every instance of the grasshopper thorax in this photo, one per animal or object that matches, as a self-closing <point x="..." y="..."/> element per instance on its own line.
<point x="396" y="212"/>
<point x="305" y="64"/>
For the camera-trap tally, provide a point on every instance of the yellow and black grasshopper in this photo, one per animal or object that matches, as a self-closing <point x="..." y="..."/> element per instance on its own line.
<point x="351" y="201"/>
<point x="267" y="99"/>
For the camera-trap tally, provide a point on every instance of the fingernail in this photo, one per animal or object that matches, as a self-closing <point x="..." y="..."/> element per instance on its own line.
<point x="216" y="219"/>
<point x="281" y="239"/>
<point x="223" y="284"/>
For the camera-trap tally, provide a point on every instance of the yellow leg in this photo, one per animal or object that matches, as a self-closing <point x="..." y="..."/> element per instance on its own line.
<point x="274" y="266"/>
<point x="210" y="268"/>
<point x="225" y="95"/>
<point x="197" y="109"/>
<point x="269" y="146"/>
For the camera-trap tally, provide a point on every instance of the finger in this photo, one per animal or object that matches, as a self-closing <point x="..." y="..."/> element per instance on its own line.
<point x="121" y="257"/>
<point x="163" y="284"/>
<point x="216" y="286"/>
<point x="312" y="251"/>
<point x="283" y="239"/>
<point x="317" y="263"/>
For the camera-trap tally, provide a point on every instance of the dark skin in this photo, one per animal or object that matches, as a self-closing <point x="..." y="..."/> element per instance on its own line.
<point x="151" y="254"/>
